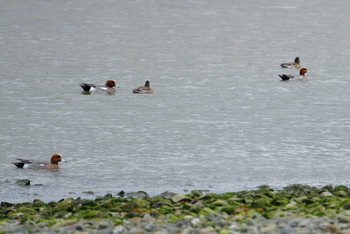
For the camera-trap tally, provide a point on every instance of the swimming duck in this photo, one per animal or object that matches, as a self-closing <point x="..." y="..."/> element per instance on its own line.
<point x="144" y="89"/>
<point x="31" y="164"/>
<point x="302" y="75"/>
<point x="109" y="87"/>
<point x="296" y="64"/>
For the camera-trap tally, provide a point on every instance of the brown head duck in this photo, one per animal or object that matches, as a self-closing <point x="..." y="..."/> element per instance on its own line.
<point x="109" y="87"/>
<point x="52" y="165"/>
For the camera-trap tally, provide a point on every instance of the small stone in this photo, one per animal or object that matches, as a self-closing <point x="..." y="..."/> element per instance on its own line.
<point x="161" y="232"/>
<point x="268" y="228"/>
<point x="326" y="194"/>
<point x="148" y="218"/>
<point x="195" y="222"/>
<point x="118" y="230"/>
<point x="179" y="197"/>
<point x="137" y="231"/>
<point x="209" y="230"/>
<point x="79" y="228"/>
<point x="198" y="205"/>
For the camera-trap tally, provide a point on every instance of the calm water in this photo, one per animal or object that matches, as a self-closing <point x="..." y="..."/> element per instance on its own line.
<point x="219" y="120"/>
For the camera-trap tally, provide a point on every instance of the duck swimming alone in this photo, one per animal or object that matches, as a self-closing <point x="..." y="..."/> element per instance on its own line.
<point x="31" y="164"/>
<point x="109" y="87"/>
<point x="144" y="89"/>
<point x="296" y="64"/>
<point x="302" y="75"/>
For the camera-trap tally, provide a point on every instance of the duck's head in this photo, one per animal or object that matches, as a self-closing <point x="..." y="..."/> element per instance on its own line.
<point x="303" y="71"/>
<point x="56" y="158"/>
<point x="297" y="60"/>
<point x="110" y="83"/>
<point x="147" y="83"/>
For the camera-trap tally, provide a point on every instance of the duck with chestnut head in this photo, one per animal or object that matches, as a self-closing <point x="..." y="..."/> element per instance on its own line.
<point x="302" y="75"/>
<point x="109" y="87"/>
<point x="52" y="165"/>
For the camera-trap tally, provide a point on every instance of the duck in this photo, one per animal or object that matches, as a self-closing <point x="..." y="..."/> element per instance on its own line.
<point x="302" y="75"/>
<point x="109" y="87"/>
<point x="32" y="164"/>
<point x="144" y="89"/>
<point x="296" y="64"/>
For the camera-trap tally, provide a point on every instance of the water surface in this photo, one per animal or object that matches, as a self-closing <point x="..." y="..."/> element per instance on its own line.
<point x="219" y="119"/>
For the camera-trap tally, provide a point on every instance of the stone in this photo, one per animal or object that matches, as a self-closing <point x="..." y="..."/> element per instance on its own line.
<point x="23" y="182"/>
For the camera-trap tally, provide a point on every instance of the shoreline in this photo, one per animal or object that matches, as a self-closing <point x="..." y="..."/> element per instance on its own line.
<point x="295" y="208"/>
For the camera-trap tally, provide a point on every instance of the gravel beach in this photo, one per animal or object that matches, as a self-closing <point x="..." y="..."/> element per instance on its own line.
<point x="294" y="209"/>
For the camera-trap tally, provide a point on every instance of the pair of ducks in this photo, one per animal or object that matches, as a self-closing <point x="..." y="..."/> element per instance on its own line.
<point x="110" y="86"/>
<point x="295" y="64"/>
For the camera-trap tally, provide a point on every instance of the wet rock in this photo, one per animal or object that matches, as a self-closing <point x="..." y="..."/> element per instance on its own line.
<point x="23" y="182"/>
<point x="89" y="192"/>
<point x="139" y="195"/>
<point x="168" y="195"/>
<point x="121" y="194"/>
<point x="6" y="204"/>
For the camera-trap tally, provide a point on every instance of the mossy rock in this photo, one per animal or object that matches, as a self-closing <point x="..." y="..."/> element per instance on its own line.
<point x="159" y="201"/>
<point x="136" y="203"/>
<point x="206" y="211"/>
<point x="340" y="188"/>
<point x="227" y="196"/>
<point x="211" y="197"/>
<point x="38" y="203"/>
<point x="165" y="210"/>
<point x="279" y="201"/>
<point x="110" y="204"/>
<point x="220" y="203"/>
<point x="341" y="193"/>
<point x="65" y="205"/>
<point x="299" y="190"/>
<point x="345" y="205"/>
<point x="230" y="210"/>
<point x="261" y="203"/>
<point x="27" y="210"/>
<point x="92" y="214"/>
<point x="195" y="194"/>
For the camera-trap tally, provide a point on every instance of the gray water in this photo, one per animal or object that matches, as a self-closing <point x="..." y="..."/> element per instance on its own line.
<point x="219" y="120"/>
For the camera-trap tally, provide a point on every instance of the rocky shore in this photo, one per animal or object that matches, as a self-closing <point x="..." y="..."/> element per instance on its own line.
<point x="293" y="209"/>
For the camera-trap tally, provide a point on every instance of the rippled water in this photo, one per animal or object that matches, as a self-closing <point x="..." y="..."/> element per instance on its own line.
<point x="219" y="120"/>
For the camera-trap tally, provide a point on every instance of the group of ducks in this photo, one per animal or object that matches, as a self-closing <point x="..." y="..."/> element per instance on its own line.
<point x="296" y="65"/>
<point x="88" y="88"/>
<point x="111" y="85"/>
